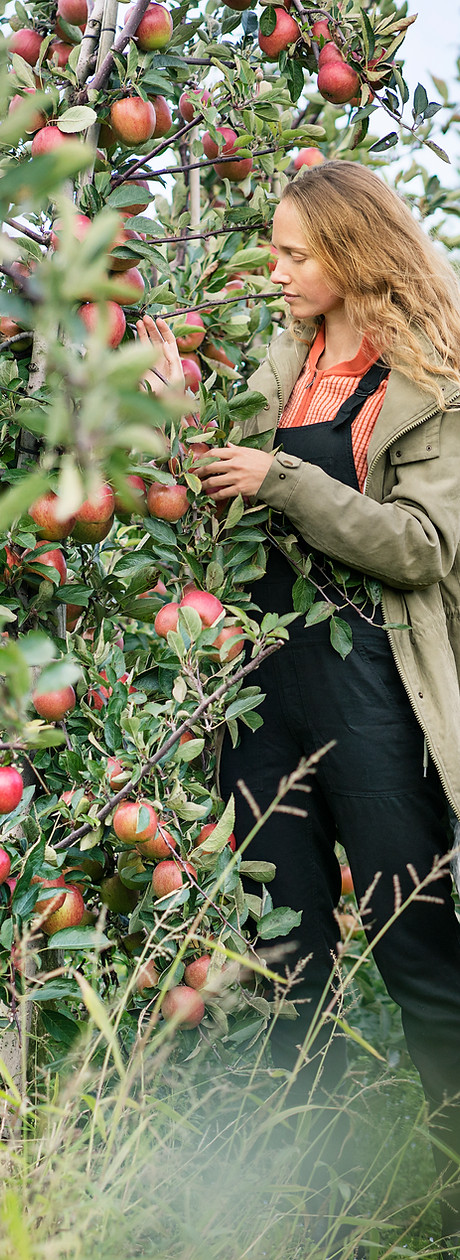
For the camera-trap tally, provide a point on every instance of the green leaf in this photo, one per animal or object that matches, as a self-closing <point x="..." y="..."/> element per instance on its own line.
<point x="63" y="987"/>
<point x="61" y="674"/>
<point x="341" y="636"/>
<point x="242" y="705"/>
<point x="191" y="749"/>
<point x="319" y="612"/>
<point x="191" y="620"/>
<point x="263" y="872"/>
<point x="278" y="922"/>
<point x="235" y="512"/>
<point x="295" y="79"/>
<point x="303" y="594"/>
<point x="36" y="179"/>
<point x="387" y="143"/>
<point x="60" y="1027"/>
<point x="441" y="153"/>
<point x="268" y="21"/>
<point x="78" y="118"/>
<point x="420" y="100"/>
<point x="15" y="501"/>
<point x="79" y="938"/>
<point x="218" y="838"/>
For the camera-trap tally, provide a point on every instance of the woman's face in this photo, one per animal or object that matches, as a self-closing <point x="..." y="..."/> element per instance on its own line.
<point x="305" y="288"/>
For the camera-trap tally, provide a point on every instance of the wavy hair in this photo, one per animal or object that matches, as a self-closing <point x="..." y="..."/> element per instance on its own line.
<point x="398" y="289"/>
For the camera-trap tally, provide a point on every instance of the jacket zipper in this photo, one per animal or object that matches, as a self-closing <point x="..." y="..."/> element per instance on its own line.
<point x="397" y="661"/>
<point x="278" y="388"/>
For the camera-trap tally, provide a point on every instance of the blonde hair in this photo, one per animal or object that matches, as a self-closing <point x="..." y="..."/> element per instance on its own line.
<point x="398" y="289"/>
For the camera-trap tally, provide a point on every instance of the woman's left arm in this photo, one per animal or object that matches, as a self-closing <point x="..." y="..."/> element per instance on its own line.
<point x="235" y="470"/>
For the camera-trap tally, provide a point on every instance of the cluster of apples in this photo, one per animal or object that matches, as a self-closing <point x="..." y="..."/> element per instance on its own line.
<point x="338" y="78"/>
<point x="150" y="840"/>
<point x="211" y="612"/>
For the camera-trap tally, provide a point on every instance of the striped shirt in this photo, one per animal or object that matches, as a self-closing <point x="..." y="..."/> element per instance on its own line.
<point x="318" y="394"/>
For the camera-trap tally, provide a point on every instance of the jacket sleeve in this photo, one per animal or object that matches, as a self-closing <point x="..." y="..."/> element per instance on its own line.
<point x="408" y="540"/>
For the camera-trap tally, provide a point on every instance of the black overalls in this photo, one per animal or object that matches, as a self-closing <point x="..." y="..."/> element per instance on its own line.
<point x="370" y="792"/>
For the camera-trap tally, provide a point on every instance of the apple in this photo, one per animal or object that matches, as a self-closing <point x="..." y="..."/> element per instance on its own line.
<point x="235" y="171"/>
<point x="147" y="977"/>
<point x="5" y="865"/>
<point x="99" y="698"/>
<point x="184" y="1005"/>
<point x="47" y="139"/>
<point x="129" y="865"/>
<point x="26" y="43"/>
<point x="168" y="877"/>
<point x="130" y="288"/>
<point x="75" y="12"/>
<point x="191" y="101"/>
<point x="286" y="31"/>
<point x="191" y="341"/>
<point x="208" y="606"/>
<point x="196" y="972"/>
<point x="80" y="226"/>
<point x="136" y="490"/>
<point x="159" y="846"/>
<point x="329" y="52"/>
<point x="308" y="157"/>
<point x="59" y="53"/>
<point x="137" y="206"/>
<point x="95" y="514"/>
<point x="46" y="514"/>
<point x="115" y="320"/>
<point x="124" y="235"/>
<point x="338" y="82"/>
<point x="321" y="28"/>
<point x="125" y="822"/>
<point x="53" y="705"/>
<point x="163" y="116"/>
<point x="37" y="120"/>
<point x="69" y="914"/>
<point x="349" y="924"/>
<point x="207" y="831"/>
<point x="116" y="772"/>
<point x="192" y="374"/>
<point x="210" y="146"/>
<point x="53" y="559"/>
<point x="347" y="881"/>
<point x="8" y="328"/>
<point x="155" y="28"/>
<point x="228" y="632"/>
<point x="216" y="352"/>
<point x="50" y="903"/>
<point x="167" y="503"/>
<point x="132" y="120"/>
<point x="238" y="5"/>
<point x="116" y="896"/>
<point x="166" y="619"/>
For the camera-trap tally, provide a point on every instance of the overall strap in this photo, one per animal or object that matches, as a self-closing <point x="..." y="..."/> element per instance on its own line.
<point x="368" y="384"/>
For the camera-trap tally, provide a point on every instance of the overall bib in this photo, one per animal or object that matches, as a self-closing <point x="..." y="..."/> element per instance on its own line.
<point x="371" y="793"/>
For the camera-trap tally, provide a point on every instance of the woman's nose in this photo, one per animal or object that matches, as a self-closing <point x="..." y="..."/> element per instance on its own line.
<point x="279" y="275"/>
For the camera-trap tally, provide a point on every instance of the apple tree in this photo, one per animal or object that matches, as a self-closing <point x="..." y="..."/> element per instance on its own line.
<point x="141" y="162"/>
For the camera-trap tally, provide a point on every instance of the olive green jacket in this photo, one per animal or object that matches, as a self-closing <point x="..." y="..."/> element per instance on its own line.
<point x="404" y="530"/>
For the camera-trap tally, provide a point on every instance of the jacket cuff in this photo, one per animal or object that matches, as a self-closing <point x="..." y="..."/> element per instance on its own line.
<point x="280" y="480"/>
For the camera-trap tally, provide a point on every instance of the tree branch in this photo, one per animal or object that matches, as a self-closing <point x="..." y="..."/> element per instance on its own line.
<point x="99" y="80"/>
<point x="170" y="742"/>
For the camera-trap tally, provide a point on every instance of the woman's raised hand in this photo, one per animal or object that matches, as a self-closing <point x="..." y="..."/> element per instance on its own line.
<point x="168" y="363"/>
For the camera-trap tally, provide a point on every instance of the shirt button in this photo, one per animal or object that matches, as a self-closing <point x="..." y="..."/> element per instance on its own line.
<point x="428" y="448"/>
<point x="398" y="454"/>
<point x="282" y="476"/>
<point x="267" y="406"/>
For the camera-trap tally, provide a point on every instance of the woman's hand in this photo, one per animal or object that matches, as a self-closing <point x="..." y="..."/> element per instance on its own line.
<point x="234" y="470"/>
<point x="168" y="363"/>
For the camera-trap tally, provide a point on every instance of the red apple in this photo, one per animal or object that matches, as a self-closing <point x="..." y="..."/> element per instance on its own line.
<point x="184" y="1005"/>
<point x="207" y="831"/>
<point x="347" y="881"/>
<point x="124" y="235"/>
<point x="80" y="226"/>
<point x="190" y="102"/>
<point x="191" y="341"/>
<point x="196" y="972"/>
<point x="132" y="120"/>
<point x="90" y="315"/>
<point x="168" y="877"/>
<point x="59" y="52"/>
<point x="238" y="5"/>
<point x="50" y="559"/>
<point x="116" y="772"/>
<point x="69" y="914"/>
<point x="5" y="866"/>
<point x="147" y="977"/>
<point x="167" y="502"/>
<point x="192" y="374"/>
<point x="53" y="902"/>
<point x="130" y="288"/>
<point x="94" y="517"/>
<point x="216" y="352"/>
<point x="159" y="846"/>
<point x="208" y="606"/>
<point x="26" y="43"/>
<point x="212" y="149"/>
<point x="47" y="514"/>
<point x="166" y="619"/>
<point x="155" y="28"/>
<point x="126" y="822"/>
<point x="338" y="82"/>
<point x="99" y="698"/>
<point x="308" y="157"/>
<point x="286" y="31"/>
<point x="163" y="116"/>
<point x="47" y="139"/>
<point x="135" y="498"/>
<point x="53" y="705"/>
<point x="37" y="120"/>
<point x="75" y="12"/>
<point x="228" y="632"/>
<point x="321" y="28"/>
<point x="329" y="52"/>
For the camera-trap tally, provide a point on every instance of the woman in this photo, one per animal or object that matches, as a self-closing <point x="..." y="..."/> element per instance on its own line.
<point x="364" y="394"/>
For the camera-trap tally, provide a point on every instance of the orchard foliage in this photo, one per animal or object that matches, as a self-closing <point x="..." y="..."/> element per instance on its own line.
<point x="139" y="174"/>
